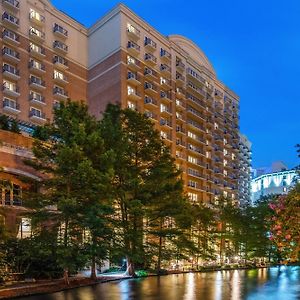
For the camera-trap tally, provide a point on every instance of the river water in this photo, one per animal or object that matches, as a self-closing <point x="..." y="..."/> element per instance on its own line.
<point x="278" y="283"/>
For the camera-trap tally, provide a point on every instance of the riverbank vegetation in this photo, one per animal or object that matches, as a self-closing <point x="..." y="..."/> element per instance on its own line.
<point x="111" y="190"/>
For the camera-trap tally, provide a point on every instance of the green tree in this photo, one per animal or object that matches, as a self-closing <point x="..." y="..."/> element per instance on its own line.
<point x="14" y="126"/>
<point x="74" y="186"/>
<point x="139" y="178"/>
<point x="4" y="122"/>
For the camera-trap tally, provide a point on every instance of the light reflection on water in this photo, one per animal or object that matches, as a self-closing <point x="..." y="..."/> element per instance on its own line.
<point x="279" y="283"/>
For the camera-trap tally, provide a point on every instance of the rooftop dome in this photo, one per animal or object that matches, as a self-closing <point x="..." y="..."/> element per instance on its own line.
<point x="193" y="50"/>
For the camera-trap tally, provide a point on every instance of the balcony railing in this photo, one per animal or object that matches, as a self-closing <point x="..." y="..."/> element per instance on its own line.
<point x="180" y="64"/>
<point x="35" y="33"/>
<point x="60" y="46"/>
<point x="12" y="3"/>
<point x="150" y="58"/>
<point x="165" y="54"/>
<point x="10" y="104"/>
<point x="37" y="66"/>
<point x="7" y="34"/>
<point x="37" y="114"/>
<point x="37" y="98"/>
<point x="150" y="72"/>
<point x="60" y="30"/>
<point x="150" y="43"/>
<point x="149" y="100"/>
<point x="10" y="19"/>
<point x="40" y="51"/>
<point x="10" y="69"/>
<point x="133" y="31"/>
<point x="58" y="60"/>
<point x="37" y="81"/>
<point x="165" y="68"/>
<point x="60" y="91"/>
<point x="133" y="46"/>
<point x="165" y="95"/>
<point x="10" y="88"/>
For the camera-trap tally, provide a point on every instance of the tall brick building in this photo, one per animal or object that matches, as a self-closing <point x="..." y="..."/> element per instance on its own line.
<point x="49" y="57"/>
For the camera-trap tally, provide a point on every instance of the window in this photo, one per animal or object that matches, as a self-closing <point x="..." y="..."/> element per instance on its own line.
<point x="130" y="90"/>
<point x="192" y="159"/>
<point x="58" y="75"/>
<point x="35" y="15"/>
<point x="131" y="105"/>
<point x="9" y="85"/>
<point x="193" y="196"/>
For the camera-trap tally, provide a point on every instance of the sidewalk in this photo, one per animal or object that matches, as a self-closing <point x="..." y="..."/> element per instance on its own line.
<point x="45" y="287"/>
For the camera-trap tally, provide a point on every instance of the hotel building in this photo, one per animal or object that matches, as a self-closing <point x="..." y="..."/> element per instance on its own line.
<point x="244" y="178"/>
<point x="48" y="57"/>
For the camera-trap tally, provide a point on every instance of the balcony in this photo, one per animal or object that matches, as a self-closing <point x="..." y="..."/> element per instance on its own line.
<point x="60" y="62"/>
<point x="150" y="59"/>
<point x="180" y="129"/>
<point x="11" y="4"/>
<point x="36" y="67"/>
<point x="195" y="125"/>
<point x="133" y="63"/>
<point x="37" y="83"/>
<point x="133" y="32"/>
<point x="133" y="79"/>
<point x="150" y="101"/>
<point x="180" y="105"/>
<point x="165" y="55"/>
<point x="37" y="116"/>
<point x="10" y="72"/>
<point x="150" y="88"/>
<point x="60" y="78"/>
<point x="36" y="34"/>
<point x="218" y="94"/>
<point x="60" y="31"/>
<point x="165" y="122"/>
<point x="10" y="20"/>
<point x="150" y="73"/>
<point x="196" y="89"/>
<point x="60" y="47"/>
<point x="10" y="37"/>
<point x="165" y="96"/>
<point x="37" y="51"/>
<point x="165" y="83"/>
<point x="10" y="89"/>
<point x="133" y="95"/>
<point x="150" y="44"/>
<point x="37" y="99"/>
<point x="180" y="93"/>
<point x="180" y="65"/>
<point x="180" y="79"/>
<point x="164" y="110"/>
<point x="133" y="48"/>
<point x="165" y="69"/>
<point x="196" y="77"/>
<point x="151" y="115"/>
<point x="60" y="93"/>
<point x="10" y="106"/>
<point x="36" y="17"/>
<point x="165" y="136"/>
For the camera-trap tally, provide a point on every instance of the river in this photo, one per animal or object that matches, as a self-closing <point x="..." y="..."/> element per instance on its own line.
<point x="278" y="283"/>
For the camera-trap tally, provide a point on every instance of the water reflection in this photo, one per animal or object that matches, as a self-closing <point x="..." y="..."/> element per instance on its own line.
<point x="274" y="283"/>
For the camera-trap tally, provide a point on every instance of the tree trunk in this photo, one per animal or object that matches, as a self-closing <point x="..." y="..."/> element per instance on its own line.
<point x="93" y="269"/>
<point x="66" y="276"/>
<point x="159" y="249"/>
<point x="130" y="268"/>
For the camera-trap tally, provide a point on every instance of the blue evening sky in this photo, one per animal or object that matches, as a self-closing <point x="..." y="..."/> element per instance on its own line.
<point x="254" y="47"/>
